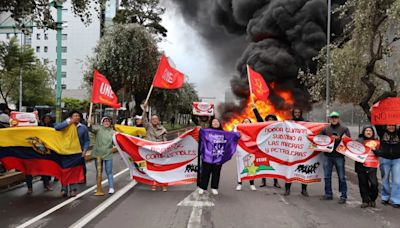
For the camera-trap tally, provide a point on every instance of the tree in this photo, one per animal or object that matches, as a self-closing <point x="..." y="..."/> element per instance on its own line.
<point x="36" y="76"/>
<point x="358" y="68"/>
<point x="39" y="11"/>
<point x="72" y="103"/>
<point x="128" y="56"/>
<point x="143" y="12"/>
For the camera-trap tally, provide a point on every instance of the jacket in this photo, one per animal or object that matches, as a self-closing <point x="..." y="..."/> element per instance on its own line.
<point x="103" y="143"/>
<point x="83" y="133"/>
<point x="390" y="143"/>
<point x="358" y="166"/>
<point x="154" y="133"/>
<point x="339" y="130"/>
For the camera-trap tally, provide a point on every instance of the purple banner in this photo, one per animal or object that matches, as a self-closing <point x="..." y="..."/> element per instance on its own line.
<point x="217" y="147"/>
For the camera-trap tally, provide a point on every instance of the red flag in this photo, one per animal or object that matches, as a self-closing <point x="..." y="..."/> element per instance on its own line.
<point x="167" y="77"/>
<point x="102" y="92"/>
<point x="257" y="84"/>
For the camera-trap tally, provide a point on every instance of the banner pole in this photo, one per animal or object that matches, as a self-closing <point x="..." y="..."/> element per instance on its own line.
<point x="90" y="113"/>
<point x="99" y="191"/>
<point x="251" y="90"/>
<point x="148" y="95"/>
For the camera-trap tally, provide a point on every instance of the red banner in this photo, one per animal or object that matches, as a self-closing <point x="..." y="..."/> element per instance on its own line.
<point x="203" y="109"/>
<point x="167" y="77"/>
<point x="279" y="149"/>
<point x="257" y="84"/>
<point x="102" y="92"/>
<point x="160" y="163"/>
<point x="372" y="161"/>
<point x="386" y="111"/>
<point x="353" y="149"/>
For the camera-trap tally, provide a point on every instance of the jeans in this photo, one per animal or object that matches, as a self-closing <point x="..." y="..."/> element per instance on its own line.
<point x="108" y="166"/>
<point x="29" y="179"/>
<point x="390" y="170"/>
<point x="338" y="162"/>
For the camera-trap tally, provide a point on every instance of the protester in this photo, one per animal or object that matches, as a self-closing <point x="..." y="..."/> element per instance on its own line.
<point x="336" y="130"/>
<point x="154" y="132"/>
<point x="367" y="180"/>
<point x="389" y="160"/>
<point x="210" y="170"/>
<point x="297" y="115"/>
<point x="4" y="116"/>
<point x="84" y="140"/>
<point x="173" y="122"/>
<point x="103" y="148"/>
<point x="138" y="121"/>
<point x="270" y="117"/>
<point x="252" y="186"/>
<point x="47" y="121"/>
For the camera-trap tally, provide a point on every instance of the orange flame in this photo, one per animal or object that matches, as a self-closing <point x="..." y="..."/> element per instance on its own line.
<point x="264" y="108"/>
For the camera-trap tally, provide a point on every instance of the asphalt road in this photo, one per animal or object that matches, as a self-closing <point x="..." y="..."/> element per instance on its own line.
<point x="182" y="207"/>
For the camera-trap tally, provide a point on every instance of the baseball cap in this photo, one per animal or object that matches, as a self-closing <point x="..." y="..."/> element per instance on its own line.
<point x="334" y="114"/>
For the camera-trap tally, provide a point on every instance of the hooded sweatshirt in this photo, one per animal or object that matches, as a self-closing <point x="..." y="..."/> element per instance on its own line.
<point x="104" y="142"/>
<point x="359" y="167"/>
<point x="390" y="143"/>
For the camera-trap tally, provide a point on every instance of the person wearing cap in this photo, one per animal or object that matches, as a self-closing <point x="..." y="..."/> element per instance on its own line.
<point x="336" y="130"/>
<point x="103" y="148"/>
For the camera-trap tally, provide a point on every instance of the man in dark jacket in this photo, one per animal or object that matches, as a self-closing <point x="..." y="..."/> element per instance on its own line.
<point x="389" y="160"/>
<point x="336" y="130"/>
<point x="297" y="115"/>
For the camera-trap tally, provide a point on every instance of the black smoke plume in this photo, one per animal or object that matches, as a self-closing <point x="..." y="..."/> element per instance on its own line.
<point x="282" y="37"/>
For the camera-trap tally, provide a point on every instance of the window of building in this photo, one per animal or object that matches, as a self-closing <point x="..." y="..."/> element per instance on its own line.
<point x="63" y="74"/>
<point x="46" y="36"/>
<point x="37" y="48"/>
<point x="63" y="86"/>
<point x="45" y="49"/>
<point x="64" y="62"/>
<point x="38" y="36"/>
<point x="64" y="49"/>
<point x="45" y="61"/>
<point x="28" y="39"/>
<point x="64" y="36"/>
<point x="64" y="10"/>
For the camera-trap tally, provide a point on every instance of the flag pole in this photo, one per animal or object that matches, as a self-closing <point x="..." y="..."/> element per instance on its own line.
<point x="148" y="95"/>
<point x="90" y="113"/>
<point x="251" y="90"/>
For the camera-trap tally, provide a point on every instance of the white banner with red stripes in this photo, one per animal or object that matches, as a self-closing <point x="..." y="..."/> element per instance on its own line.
<point x="160" y="163"/>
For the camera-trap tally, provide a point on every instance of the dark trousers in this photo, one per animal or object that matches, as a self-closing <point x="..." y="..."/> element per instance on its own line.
<point x="289" y="185"/>
<point x="29" y="179"/>
<point x="208" y="170"/>
<point x="251" y="182"/>
<point x="368" y="183"/>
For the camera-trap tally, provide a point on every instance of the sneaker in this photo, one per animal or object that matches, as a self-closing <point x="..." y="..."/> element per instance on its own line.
<point x="287" y="192"/>
<point x="48" y="188"/>
<point x="111" y="191"/>
<point x="326" y="197"/>
<point x="342" y="201"/>
<point x="153" y="188"/>
<point x="238" y="187"/>
<point x="29" y="192"/>
<point x="72" y="193"/>
<point x="385" y="202"/>
<point x="305" y="193"/>
<point x="201" y="191"/>
<point x="364" y="205"/>
<point x="396" y="205"/>
<point x="253" y="188"/>
<point x="164" y="188"/>
<point x="214" y="191"/>
<point x="63" y="193"/>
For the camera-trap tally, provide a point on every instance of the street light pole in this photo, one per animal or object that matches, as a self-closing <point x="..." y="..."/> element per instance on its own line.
<point x="328" y="57"/>
<point x="20" y="76"/>
<point x="58" y="6"/>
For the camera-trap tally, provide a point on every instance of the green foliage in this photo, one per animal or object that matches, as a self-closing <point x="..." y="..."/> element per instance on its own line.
<point x="15" y="59"/>
<point x="146" y="13"/>
<point x="73" y="104"/>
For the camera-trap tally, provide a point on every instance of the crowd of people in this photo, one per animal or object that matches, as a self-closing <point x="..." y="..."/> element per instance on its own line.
<point x="388" y="154"/>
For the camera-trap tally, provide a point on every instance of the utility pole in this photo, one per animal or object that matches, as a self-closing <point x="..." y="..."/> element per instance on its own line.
<point x="58" y="6"/>
<point x="328" y="58"/>
<point x="20" y="74"/>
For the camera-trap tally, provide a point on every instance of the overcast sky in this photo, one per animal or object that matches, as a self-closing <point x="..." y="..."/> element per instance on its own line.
<point x="190" y="56"/>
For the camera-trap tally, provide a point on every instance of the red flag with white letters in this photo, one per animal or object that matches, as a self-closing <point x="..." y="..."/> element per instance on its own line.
<point x="167" y="77"/>
<point x="102" y="92"/>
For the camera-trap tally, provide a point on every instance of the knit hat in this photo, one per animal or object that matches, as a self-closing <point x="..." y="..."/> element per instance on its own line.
<point x="104" y="118"/>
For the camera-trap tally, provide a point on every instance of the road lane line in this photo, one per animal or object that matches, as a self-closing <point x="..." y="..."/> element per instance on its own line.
<point x="195" y="217"/>
<point x="70" y="200"/>
<point x="108" y="202"/>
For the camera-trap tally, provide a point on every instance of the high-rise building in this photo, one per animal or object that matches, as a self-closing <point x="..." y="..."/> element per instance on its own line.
<point x="78" y="43"/>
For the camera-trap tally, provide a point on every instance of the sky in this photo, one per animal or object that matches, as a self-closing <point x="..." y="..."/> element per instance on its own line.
<point x="189" y="54"/>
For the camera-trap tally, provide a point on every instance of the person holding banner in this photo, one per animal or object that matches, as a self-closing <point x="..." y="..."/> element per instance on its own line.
<point x="336" y="130"/>
<point x="297" y="115"/>
<point x="270" y="117"/>
<point x="252" y="186"/>
<point x="103" y="148"/>
<point x="367" y="180"/>
<point x="389" y="159"/>
<point x="217" y="147"/>
<point x="154" y="132"/>
<point x="84" y="140"/>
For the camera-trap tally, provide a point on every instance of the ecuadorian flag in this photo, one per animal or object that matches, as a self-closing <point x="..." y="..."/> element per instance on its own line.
<point x="129" y="130"/>
<point x="43" y="151"/>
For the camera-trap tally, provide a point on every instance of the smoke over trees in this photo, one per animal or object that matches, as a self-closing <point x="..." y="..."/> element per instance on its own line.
<point x="282" y="37"/>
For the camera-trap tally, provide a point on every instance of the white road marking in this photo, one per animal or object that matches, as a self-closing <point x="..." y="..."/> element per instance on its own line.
<point x="195" y="217"/>
<point x="196" y="201"/>
<point x="70" y="200"/>
<point x="95" y="212"/>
